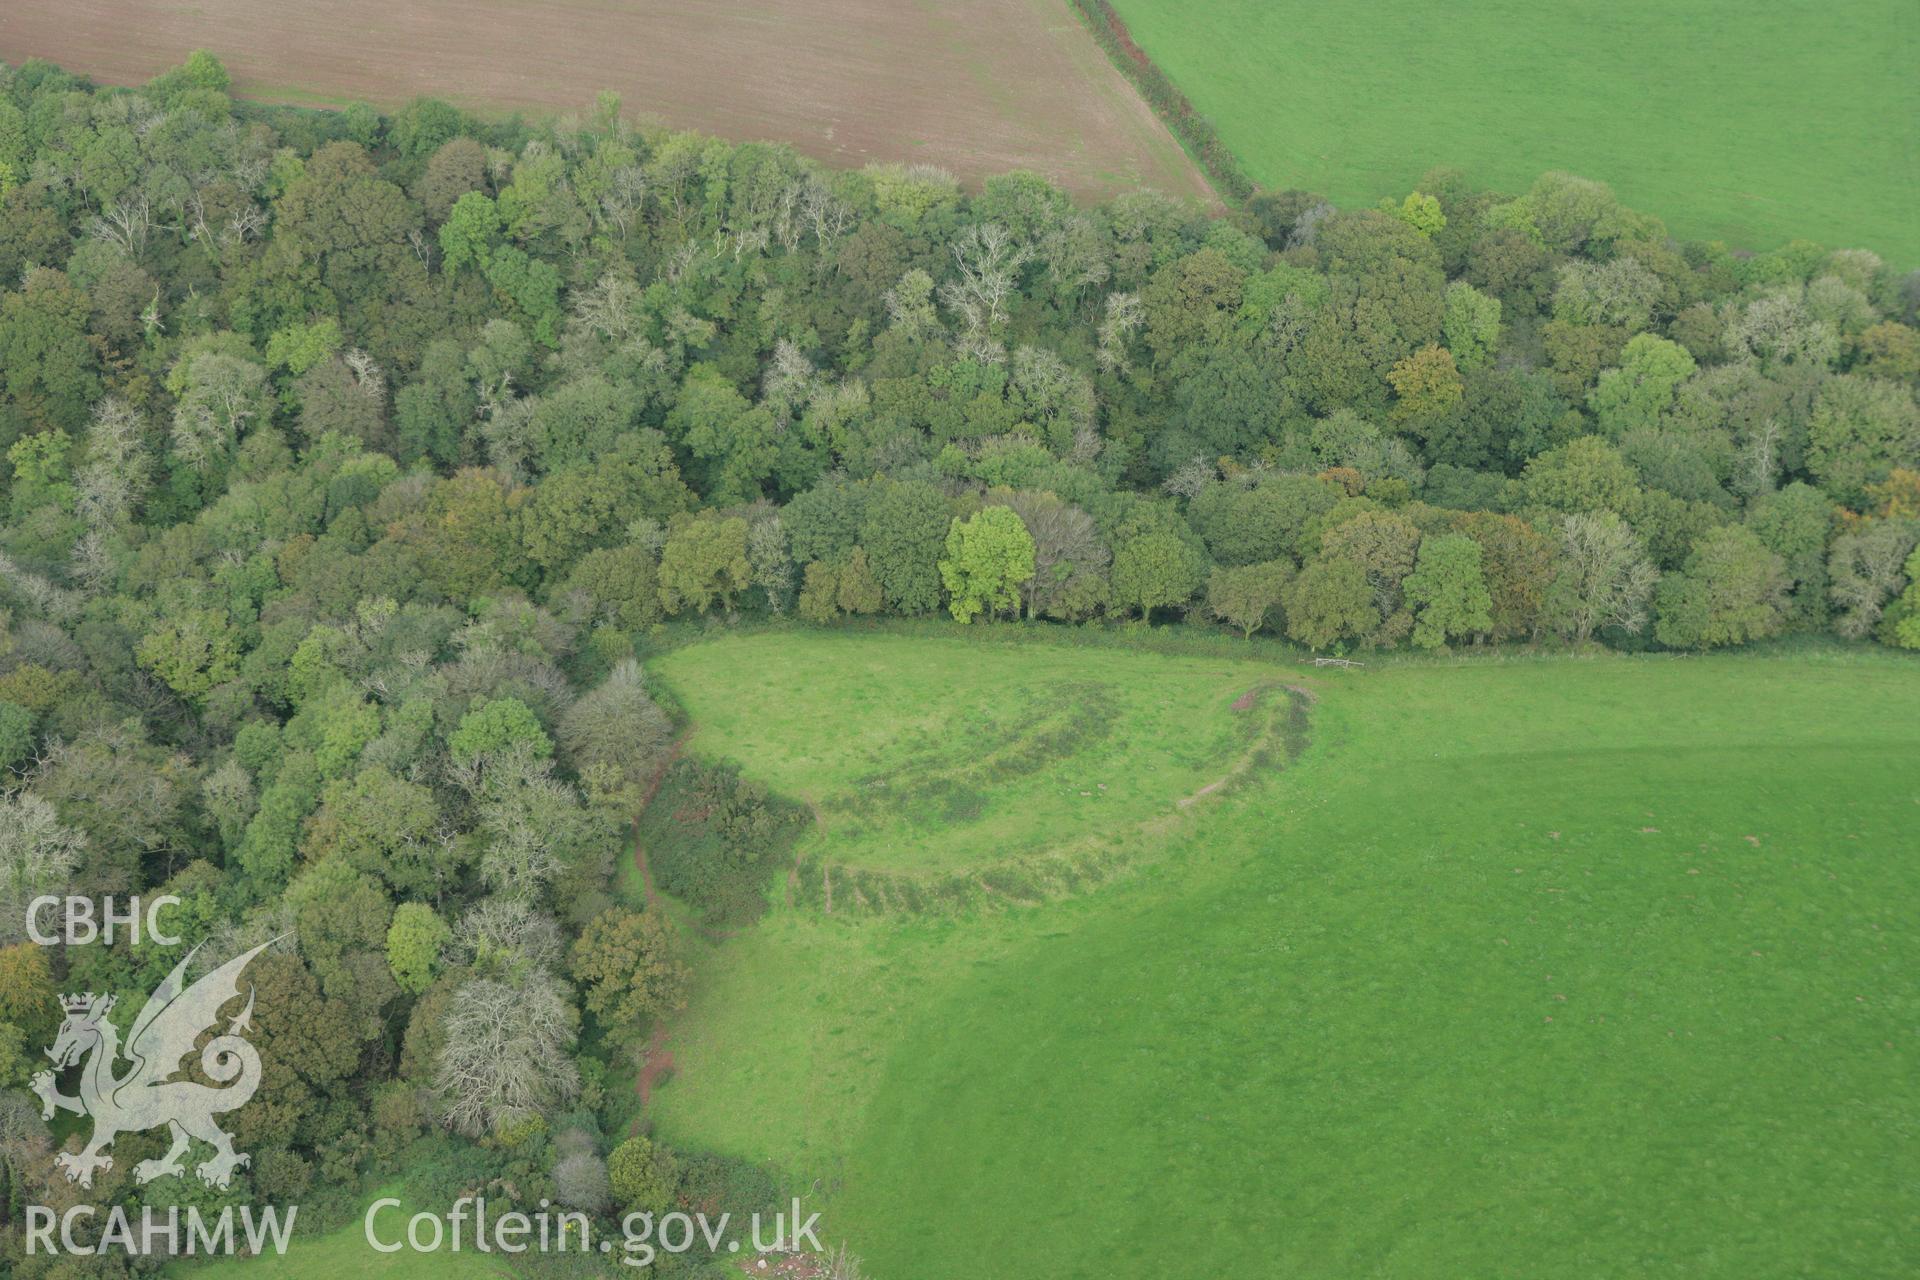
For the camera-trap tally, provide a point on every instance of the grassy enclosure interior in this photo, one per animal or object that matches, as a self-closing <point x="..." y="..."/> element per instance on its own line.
<point x="947" y="756"/>
<point x="1541" y="937"/>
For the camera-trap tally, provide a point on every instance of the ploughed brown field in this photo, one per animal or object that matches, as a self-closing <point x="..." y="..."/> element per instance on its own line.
<point x="976" y="86"/>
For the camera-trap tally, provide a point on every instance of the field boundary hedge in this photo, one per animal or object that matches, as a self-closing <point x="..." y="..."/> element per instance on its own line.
<point x="1189" y="639"/>
<point x="1195" y="132"/>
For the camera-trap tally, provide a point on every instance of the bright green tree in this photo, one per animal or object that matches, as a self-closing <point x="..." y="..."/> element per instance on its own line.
<point x="1906" y="629"/>
<point x="736" y="441"/>
<point x="621" y="583"/>
<point x="27" y="989"/>
<point x="1422" y="212"/>
<point x="415" y="941"/>
<point x="1642" y="388"/>
<point x="1447" y="590"/>
<point x="299" y="347"/>
<point x="1862" y="429"/>
<point x="988" y="558"/>
<point x="193" y="650"/>
<point x="703" y="563"/>
<point x="643" y="1176"/>
<point x="42" y="472"/>
<point x="1731" y="590"/>
<point x="1157" y="571"/>
<point x="1471" y="324"/>
<point x="1586" y="474"/>
<point x="467" y="236"/>
<point x="499" y="725"/>
<point x="384" y="825"/>
<point x="532" y="284"/>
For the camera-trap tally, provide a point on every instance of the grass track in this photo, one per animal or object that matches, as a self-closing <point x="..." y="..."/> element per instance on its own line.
<point x="1491" y="982"/>
<point x="1749" y="123"/>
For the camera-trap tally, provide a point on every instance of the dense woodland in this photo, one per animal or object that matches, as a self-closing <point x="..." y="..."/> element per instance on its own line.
<point x="353" y="461"/>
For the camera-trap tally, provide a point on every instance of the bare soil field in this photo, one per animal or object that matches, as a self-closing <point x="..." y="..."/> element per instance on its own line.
<point x="976" y="86"/>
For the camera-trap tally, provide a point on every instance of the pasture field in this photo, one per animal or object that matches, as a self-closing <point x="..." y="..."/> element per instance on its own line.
<point x="938" y="760"/>
<point x="976" y="86"/>
<point x="1754" y="124"/>
<point x="343" y="1251"/>
<point x="1557" y="968"/>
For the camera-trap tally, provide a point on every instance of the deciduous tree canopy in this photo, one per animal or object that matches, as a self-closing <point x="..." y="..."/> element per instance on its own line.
<point x="353" y="466"/>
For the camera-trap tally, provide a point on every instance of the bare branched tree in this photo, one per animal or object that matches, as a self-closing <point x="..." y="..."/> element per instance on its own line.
<point x="1123" y="319"/>
<point x="1191" y="476"/>
<point x="1076" y="256"/>
<point x="790" y="380"/>
<point x="626" y="197"/>
<point x="845" y="1266"/>
<point x="151" y="323"/>
<point x="746" y="241"/>
<point x="1867" y="568"/>
<point x="681" y="261"/>
<point x="910" y="310"/>
<point x="507" y="1053"/>
<point x="987" y="261"/>
<point x="1760" y="458"/>
<point x="580" y="1181"/>
<point x="125" y="224"/>
<point x="1605" y="579"/>
<point x="609" y="308"/>
<point x="45" y="598"/>
<point x="116" y="464"/>
<point x="788" y="228"/>
<point x="615" y="736"/>
<point x="25" y="1142"/>
<point x="37" y="856"/>
<point x="772" y="562"/>
<point x="1306" y="228"/>
<point x="222" y="396"/>
<point x="525" y="812"/>
<point x="368" y="378"/>
<point x="506" y="935"/>
<point x="826" y="214"/>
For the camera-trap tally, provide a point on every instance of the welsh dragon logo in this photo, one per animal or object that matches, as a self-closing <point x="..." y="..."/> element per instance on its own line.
<point x="147" y="1095"/>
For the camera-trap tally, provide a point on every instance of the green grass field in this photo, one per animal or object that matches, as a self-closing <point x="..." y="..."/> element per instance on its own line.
<point x="1553" y="968"/>
<point x="344" y="1251"/>
<point x="1750" y="123"/>
<point x="928" y="769"/>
